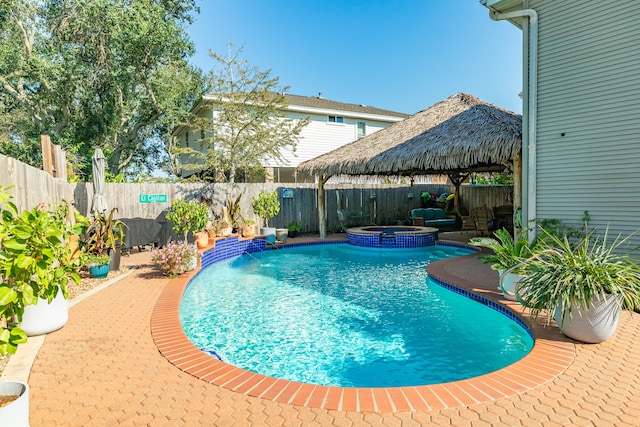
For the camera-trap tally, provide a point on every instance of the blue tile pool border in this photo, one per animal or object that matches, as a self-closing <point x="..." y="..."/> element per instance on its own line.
<point x="485" y="301"/>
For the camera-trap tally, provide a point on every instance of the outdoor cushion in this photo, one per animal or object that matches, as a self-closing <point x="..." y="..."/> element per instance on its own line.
<point x="439" y="214"/>
<point x="433" y="217"/>
<point x="423" y="213"/>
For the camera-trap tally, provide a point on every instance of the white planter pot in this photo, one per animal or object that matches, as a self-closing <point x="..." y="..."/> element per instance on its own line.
<point x="193" y="263"/>
<point x="282" y="234"/>
<point x="508" y="284"/>
<point x="16" y="413"/>
<point x="43" y="317"/>
<point x="593" y="325"/>
<point x="266" y="231"/>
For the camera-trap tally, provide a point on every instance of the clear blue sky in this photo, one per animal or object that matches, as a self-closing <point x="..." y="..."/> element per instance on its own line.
<point x="397" y="55"/>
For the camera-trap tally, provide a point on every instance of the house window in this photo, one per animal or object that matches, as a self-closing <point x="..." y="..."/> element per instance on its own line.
<point x="186" y="139"/>
<point x="336" y="119"/>
<point x="362" y="129"/>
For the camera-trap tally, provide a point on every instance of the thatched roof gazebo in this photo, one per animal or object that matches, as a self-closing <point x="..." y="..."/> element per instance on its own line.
<point x="454" y="137"/>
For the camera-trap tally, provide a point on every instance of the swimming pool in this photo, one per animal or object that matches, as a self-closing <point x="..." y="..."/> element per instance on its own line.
<point x="346" y="316"/>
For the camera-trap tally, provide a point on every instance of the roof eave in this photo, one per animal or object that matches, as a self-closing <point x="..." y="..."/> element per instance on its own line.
<point x="344" y="113"/>
<point x="504" y="6"/>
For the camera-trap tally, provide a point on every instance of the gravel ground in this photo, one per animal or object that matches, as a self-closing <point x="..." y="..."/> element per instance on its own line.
<point x="86" y="284"/>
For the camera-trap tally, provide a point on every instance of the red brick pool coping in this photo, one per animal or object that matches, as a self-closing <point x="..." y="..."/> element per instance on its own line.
<point x="550" y="356"/>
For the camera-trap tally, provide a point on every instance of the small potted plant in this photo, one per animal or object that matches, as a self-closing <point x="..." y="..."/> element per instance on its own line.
<point x="98" y="265"/>
<point x="583" y="285"/>
<point x="104" y="236"/>
<point x="266" y="205"/>
<point x="294" y="228"/>
<point x="175" y="258"/>
<point x="248" y="228"/>
<point x="188" y="217"/>
<point x="234" y="215"/>
<point x="507" y="253"/>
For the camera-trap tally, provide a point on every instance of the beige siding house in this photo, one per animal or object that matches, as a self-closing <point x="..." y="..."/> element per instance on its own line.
<point x="332" y="124"/>
<point x="581" y="109"/>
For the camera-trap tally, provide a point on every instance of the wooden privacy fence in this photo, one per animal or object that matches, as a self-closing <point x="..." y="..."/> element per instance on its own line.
<point x="347" y="204"/>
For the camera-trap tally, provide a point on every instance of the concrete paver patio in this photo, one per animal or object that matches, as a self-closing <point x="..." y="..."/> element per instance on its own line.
<point x="104" y="369"/>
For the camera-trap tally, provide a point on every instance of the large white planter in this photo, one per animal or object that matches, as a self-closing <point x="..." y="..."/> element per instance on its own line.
<point x="266" y="231"/>
<point x="15" y="414"/>
<point x="43" y="317"/>
<point x="593" y="325"/>
<point x="508" y="284"/>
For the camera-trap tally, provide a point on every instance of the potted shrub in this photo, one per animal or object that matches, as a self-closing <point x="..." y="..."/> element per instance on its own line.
<point x="98" y="265"/>
<point x="507" y="254"/>
<point x="233" y="213"/>
<point x="104" y="236"/>
<point x="188" y="217"/>
<point x="175" y="258"/>
<point x="36" y="267"/>
<point x="266" y="205"/>
<point x="248" y="228"/>
<point x="583" y="285"/>
<point x="294" y="228"/>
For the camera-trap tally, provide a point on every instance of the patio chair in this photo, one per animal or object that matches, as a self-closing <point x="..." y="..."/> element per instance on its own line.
<point x="483" y="219"/>
<point x="468" y="222"/>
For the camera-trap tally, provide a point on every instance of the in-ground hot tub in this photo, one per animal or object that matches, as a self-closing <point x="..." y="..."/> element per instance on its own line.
<point x="400" y="236"/>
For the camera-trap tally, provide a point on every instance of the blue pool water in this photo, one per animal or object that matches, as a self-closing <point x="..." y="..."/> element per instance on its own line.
<point x="346" y="316"/>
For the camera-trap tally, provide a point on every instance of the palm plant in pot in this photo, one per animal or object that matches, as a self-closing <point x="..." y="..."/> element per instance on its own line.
<point x="506" y="256"/>
<point x="104" y="236"/>
<point x="266" y="205"/>
<point x="583" y="284"/>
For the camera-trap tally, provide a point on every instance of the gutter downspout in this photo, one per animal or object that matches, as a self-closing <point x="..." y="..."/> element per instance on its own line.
<point x="532" y="107"/>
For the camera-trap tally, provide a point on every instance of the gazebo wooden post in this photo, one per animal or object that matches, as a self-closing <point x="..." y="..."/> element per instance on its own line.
<point x="457" y="180"/>
<point x="322" y="206"/>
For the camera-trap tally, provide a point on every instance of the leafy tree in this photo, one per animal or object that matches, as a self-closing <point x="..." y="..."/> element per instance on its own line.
<point x="104" y="73"/>
<point x="246" y="124"/>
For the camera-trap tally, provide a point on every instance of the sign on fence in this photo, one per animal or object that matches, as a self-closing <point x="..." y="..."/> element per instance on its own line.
<point x="287" y="193"/>
<point x="153" y="198"/>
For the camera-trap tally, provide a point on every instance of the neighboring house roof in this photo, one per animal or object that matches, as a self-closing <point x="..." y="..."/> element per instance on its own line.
<point x="314" y="105"/>
<point x="460" y="134"/>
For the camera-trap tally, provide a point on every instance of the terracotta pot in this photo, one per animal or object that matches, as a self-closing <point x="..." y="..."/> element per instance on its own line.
<point x="202" y="240"/>
<point x="248" y="231"/>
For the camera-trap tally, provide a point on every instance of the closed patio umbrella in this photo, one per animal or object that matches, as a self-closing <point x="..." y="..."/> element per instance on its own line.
<point x="99" y="161"/>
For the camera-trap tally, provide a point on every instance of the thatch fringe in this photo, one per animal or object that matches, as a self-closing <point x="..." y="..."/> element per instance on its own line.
<point x="459" y="134"/>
